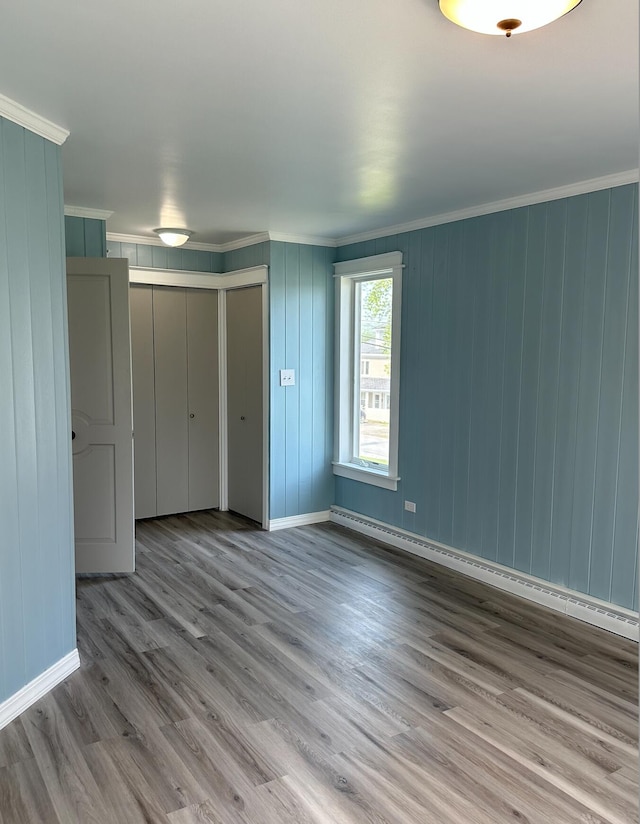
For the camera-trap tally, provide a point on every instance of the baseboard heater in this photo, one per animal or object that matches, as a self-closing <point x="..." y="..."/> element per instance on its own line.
<point x="601" y="614"/>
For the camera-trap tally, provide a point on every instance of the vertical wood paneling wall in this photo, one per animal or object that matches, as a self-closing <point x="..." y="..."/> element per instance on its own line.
<point x="37" y="586"/>
<point x="85" y="237"/>
<point x="519" y="390"/>
<point x="257" y="254"/>
<point x="163" y="257"/>
<point x="301" y="338"/>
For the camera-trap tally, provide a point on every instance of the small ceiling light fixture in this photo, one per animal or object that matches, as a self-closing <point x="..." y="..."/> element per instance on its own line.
<point x="173" y="237"/>
<point x="505" y="16"/>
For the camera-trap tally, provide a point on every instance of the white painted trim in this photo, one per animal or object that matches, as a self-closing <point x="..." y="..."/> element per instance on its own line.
<point x="299" y="520"/>
<point x="36" y="689"/>
<point x="366" y="476"/>
<point x="580" y="188"/>
<point x="242" y="242"/>
<point x="230" y="246"/>
<point x="174" y="277"/>
<point x="304" y="240"/>
<point x="347" y="367"/>
<point x="265" y="404"/>
<point x="199" y="280"/>
<point x="253" y="276"/>
<point x="223" y="411"/>
<point x="19" y="114"/>
<point x="83" y="211"/>
<point x="374" y="265"/>
<point x="117" y="237"/>
<point x="591" y="610"/>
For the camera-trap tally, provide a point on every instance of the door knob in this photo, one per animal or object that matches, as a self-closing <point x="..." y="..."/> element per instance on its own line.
<point x="192" y="415"/>
<point x="73" y="435"/>
<point x="241" y="417"/>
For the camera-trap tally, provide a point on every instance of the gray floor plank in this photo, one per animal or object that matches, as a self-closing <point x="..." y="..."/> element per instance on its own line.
<point x="315" y="676"/>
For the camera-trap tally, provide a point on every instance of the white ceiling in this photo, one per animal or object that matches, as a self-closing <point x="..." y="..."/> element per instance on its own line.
<point x="317" y="117"/>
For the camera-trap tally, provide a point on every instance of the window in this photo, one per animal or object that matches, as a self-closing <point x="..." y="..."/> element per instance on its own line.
<point x="368" y="294"/>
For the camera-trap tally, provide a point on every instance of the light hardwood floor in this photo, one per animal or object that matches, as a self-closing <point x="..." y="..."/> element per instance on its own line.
<point x="314" y="676"/>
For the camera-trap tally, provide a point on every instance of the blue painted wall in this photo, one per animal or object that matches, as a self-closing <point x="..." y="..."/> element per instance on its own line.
<point x="163" y="257"/>
<point x="85" y="237"/>
<point x="301" y="338"/>
<point x="519" y="390"/>
<point x="254" y="255"/>
<point x="37" y="586"/>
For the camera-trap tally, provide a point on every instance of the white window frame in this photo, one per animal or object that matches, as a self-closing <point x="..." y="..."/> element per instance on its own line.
<point x="347" y="412"/>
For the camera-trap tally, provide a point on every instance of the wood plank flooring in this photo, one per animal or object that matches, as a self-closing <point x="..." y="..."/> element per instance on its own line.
<point x="314" y="676"/>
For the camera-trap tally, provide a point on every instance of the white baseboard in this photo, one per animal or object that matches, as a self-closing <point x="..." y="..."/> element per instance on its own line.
<point x="32" y="692"/>
<point x="593" y="611"/>
<point x="299" y="520"/>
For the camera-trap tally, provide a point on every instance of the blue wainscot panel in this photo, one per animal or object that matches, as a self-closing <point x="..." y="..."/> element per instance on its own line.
<point x="519" y="390"/>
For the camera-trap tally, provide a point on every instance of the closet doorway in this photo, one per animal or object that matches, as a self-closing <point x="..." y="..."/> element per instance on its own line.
<point x="244" y="401"/>
<point x="199" y="370"/>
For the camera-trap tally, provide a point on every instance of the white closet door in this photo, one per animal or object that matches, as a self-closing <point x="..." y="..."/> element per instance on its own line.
<point x="202" y="371"/>
<point x="244" y="392"/>
<point x="144" y="400"/>
<point x="172" y="412"/>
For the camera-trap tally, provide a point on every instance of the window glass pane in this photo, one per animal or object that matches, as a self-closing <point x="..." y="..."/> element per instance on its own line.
<point x="373" y="330"/>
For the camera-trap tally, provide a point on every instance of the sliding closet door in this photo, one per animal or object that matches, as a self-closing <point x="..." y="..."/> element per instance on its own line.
<point x="244" y="391"/>
<point x="172" y="410"/>
<point x="144" y="399"/>
<point x="203" y="401"/>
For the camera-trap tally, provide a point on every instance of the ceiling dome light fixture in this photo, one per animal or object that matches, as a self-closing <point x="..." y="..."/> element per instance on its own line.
<point x="505" y="16"/>
<point x="173" y="237"/>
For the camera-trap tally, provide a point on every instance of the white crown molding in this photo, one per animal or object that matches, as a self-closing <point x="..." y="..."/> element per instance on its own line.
<point x="242" y="242"/>
<point x="304" y="240"/>
<point x="36" y="689"/>
<point x="591" y="610"/>
<point x="83" y="211"/>
<point x="155" y="241"/>
<point x="299" y="520"/>
<point x="30" y="120"/>
<point x="580" y="188"/>
<point x="232" y="245"/>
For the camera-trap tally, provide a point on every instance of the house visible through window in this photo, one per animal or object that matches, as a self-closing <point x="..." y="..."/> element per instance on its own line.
<point x="368" y="300"/>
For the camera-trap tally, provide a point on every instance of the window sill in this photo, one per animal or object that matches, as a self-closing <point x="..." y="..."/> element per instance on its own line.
<point x="366" y="476"/>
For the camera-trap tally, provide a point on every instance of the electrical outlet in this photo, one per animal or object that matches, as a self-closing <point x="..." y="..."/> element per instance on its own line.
<point x="410" y="506"/>
<point x="287" y="377"/>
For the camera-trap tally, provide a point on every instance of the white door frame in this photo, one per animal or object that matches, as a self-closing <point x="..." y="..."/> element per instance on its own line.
<point x="254" y="276"/>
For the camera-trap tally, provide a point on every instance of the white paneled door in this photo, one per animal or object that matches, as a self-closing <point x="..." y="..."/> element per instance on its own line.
<point x="100" y="356"/>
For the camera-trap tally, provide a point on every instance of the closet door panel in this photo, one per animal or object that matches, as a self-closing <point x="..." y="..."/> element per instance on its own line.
<point x="172" y="413"/>
<point x="144" y="400"/>
<point x="244" y="392"/>
<point x="202" y="358"/>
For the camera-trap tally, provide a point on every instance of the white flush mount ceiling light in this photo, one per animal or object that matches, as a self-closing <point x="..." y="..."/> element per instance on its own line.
<point x="505" y="16"/>
<point x="173" y="237"/>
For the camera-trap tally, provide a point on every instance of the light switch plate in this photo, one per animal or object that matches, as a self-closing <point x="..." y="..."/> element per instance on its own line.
<point x="287" y="377"/>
